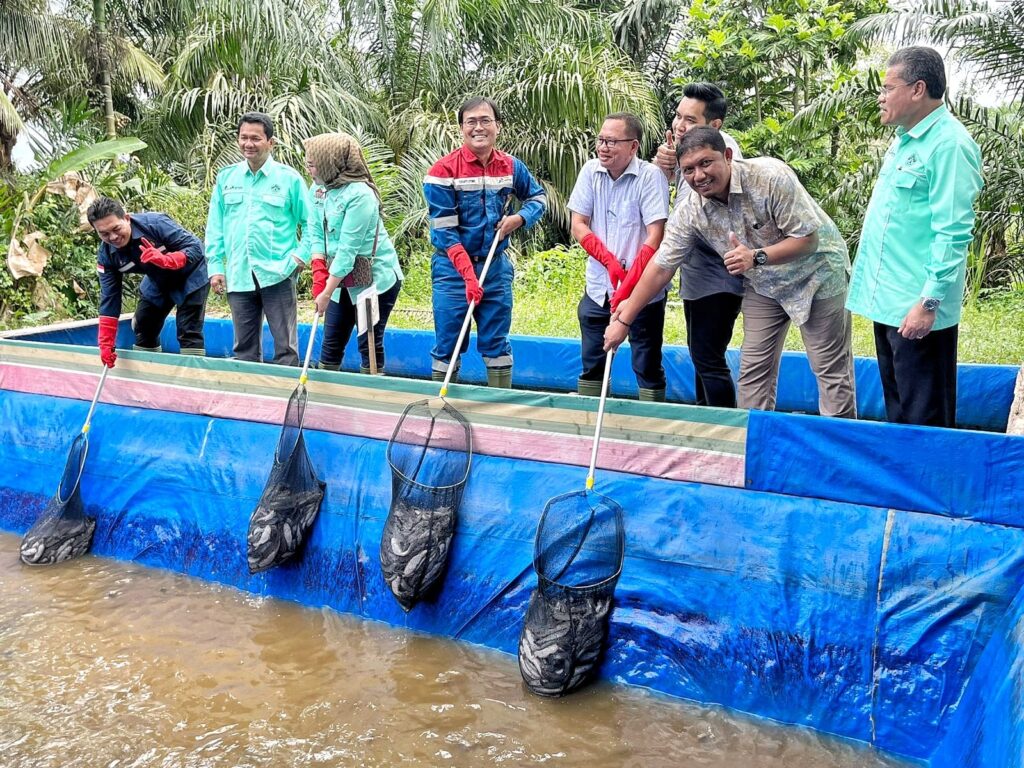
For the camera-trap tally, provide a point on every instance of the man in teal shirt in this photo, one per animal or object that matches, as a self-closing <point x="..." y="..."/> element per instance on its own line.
<point x="252" y="244"/>
<point x="911" y="264"/>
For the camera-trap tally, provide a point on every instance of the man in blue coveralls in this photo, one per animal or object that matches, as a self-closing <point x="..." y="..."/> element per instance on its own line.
<point x="466" y="192"/>
<point x="174" y="265"/>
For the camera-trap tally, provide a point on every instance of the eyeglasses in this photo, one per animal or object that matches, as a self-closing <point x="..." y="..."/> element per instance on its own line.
<point x="483" y="122"/>
<point x="603" y="142"/>
<point x="885" y="90"/>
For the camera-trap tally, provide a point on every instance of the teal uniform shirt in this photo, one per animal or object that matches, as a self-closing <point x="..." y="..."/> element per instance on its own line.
<point x="252" y="228"/>
<point x="350" y="214"/>
<point x="918" y="224"/>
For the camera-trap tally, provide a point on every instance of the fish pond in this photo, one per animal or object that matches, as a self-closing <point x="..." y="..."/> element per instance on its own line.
<point x="106" y="663"/>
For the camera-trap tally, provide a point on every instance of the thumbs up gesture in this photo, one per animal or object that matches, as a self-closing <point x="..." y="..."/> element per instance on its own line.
<point x="665" y="158"/>
<point x="739" y="258"/>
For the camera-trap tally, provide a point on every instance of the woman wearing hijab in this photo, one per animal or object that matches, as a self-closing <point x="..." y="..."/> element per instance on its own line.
<point x="345" y="224"/>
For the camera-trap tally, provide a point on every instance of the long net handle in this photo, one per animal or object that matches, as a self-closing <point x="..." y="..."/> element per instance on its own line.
<point x="371" y="339"/>
<point x="309" y="349"/>
<point x="472" y="305"/>
<point x="95" y="399"/>
<point x="600" y="416"/>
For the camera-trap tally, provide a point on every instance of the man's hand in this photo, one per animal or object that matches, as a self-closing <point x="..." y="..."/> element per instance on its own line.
<point x="152" y="255"/>
<point x="218" y="284"/>
<point x="918" y="323"/>
<point x="615" y="333"/>
<point x="665" y="158"/>
<point x="510" y="224"/>
<point x="593" y="246"/>
<point x="740" y="259"/>
<point x="460" y="259"/>
<point x="107" y="338"/>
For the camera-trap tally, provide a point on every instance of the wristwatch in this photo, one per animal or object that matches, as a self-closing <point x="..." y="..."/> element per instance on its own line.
<point x="760" y="258"/>
<point x="930" y="305"/>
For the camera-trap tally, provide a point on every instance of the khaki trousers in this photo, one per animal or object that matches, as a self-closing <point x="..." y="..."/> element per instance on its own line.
<point x="826" y="336"/>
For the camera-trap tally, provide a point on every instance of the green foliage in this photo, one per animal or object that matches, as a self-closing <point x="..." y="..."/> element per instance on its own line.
<point x="773" y="59"/>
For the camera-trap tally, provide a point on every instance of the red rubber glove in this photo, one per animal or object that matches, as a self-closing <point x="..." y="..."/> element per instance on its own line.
<point x="592" y="245"/>
<point x="474" y="291"/>
<point x="107" y="338"/>
<point x="320" y="274"/>
<point x="153" y="255"/>
<point x="636" y="271"/>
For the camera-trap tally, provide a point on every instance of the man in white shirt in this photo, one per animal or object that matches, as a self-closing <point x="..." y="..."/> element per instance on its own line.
<point x="619" y="207"/>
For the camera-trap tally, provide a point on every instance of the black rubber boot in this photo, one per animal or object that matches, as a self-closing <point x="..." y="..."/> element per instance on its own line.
<point x="500" y="377"/>
<point x="652" y="395"/>
<point x="588" y="388"/>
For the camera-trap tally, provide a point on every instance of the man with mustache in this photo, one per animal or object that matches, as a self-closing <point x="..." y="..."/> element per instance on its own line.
<point x="912" y="260"/>
<point x="793" y="260"/>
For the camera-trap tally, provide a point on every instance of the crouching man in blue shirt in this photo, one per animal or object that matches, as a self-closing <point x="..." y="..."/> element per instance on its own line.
<point x="174" y="267"/>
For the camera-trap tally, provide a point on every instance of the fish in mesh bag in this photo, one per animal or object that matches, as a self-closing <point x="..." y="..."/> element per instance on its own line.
<point x="578" y="554"/>
<point x="293" y="494"/>
<point x="578" y="558"/>
<point x="429" y="454"/>
<point x="63" y="530"/>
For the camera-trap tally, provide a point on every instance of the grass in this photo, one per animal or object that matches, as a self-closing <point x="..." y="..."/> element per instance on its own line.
<point x="549" y="286"/>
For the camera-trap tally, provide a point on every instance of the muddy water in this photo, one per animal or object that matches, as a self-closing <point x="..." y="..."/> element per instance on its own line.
<point x="104" y="663"/>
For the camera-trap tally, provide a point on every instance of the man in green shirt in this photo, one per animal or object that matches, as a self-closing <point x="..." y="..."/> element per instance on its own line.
<point x="911" y="264"/>
<point x="252" y="244"/>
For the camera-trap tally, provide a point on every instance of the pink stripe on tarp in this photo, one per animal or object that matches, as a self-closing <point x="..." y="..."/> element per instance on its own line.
<point x="671" y="462"/>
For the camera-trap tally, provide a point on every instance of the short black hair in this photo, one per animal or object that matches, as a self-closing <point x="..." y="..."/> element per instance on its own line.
<point x="918" y="62"/>
<point x="478" y="101"/>
<point x="699" y="137"/>
<point x="257" y="118"/>
<point x="633" y="123"/>
<point x="715" y="104"/>
<point x="102" y="207"/>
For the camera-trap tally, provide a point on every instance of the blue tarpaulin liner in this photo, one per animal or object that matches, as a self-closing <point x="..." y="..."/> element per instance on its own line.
<point x="802" y="598"/>
<point x="984" y="392"/>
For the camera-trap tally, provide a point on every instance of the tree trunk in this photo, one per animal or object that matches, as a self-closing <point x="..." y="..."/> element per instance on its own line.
<point x="99" y="20"/>
<point x="7" y="143"/>
<point x="1016" y="422"/>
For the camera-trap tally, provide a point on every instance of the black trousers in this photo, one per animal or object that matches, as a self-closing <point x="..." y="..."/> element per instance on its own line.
<point x="918" y="376"/>
<point x="340" y="319"/>
<point x="149" y="320"/>
<point x="646" y="334"/>
<point x="709" y="326"/>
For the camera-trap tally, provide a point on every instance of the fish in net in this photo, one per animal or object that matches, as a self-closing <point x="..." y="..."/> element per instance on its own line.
<point x="291" y="498"/>
<point x="429" y="454"/>
<point x="63" y="531"/>
<point x="578" y="557"/>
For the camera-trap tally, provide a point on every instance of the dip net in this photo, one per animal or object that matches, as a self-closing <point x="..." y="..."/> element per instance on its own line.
<point x="429" y="453"/>
<point x="291" y="498"/>
<point x="63" y="530"/>
<point x="578" y="557"/>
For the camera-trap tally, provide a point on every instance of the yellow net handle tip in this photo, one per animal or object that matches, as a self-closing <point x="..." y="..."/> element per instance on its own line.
<point x="444" y="391"/>
<point x="86" y="428"/>
<point x="590" y="482"/>
<point x="303" y="379"/>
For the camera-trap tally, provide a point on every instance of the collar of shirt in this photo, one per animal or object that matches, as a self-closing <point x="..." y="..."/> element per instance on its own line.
<point x="924" y="124"/>
<point x="263" y="168"/>
<point x="735" y="187"/>
<point x="633" y="169"/>
<point x="467" y="155"/>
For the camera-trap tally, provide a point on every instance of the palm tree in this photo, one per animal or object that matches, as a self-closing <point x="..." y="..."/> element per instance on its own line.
<point x="986" y="41"/>
<point x="552" y="67"/>
<point x="230" y="58"/>
<point x="49" y="59"/>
